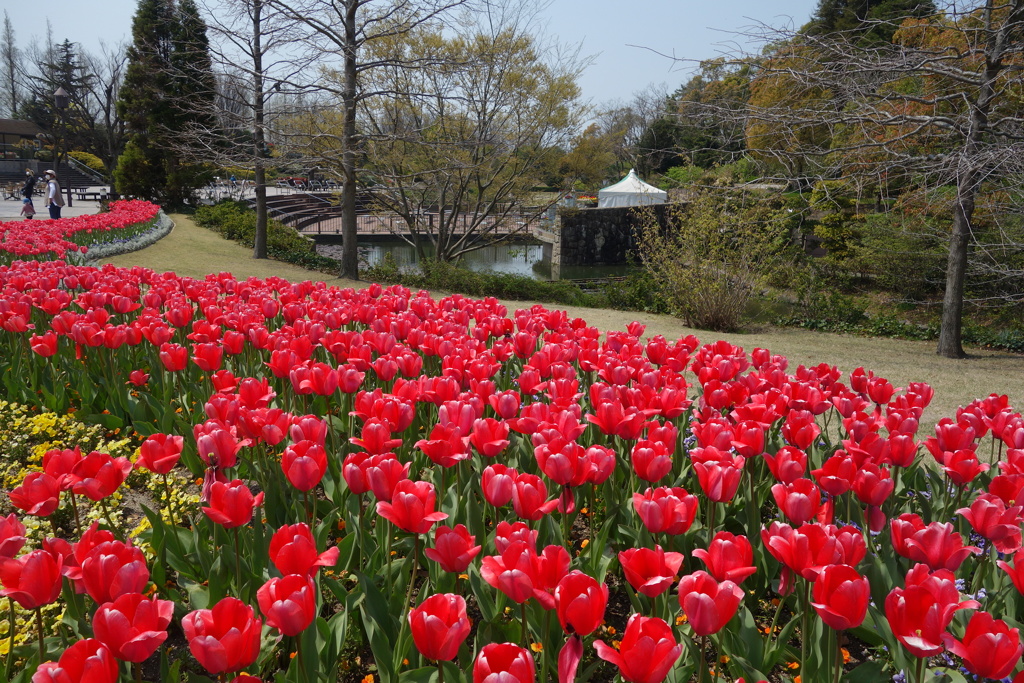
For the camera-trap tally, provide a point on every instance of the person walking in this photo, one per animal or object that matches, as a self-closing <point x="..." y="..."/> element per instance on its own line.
<point x="54" y="201"/>
<point x="27" y="208"/>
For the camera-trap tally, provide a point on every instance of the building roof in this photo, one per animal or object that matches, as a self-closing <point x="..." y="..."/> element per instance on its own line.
<point x="25" y="129"/>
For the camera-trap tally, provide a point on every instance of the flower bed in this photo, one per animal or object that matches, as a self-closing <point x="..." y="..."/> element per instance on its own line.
<point x="400" y="488"/>
<point x="45" y="240"/>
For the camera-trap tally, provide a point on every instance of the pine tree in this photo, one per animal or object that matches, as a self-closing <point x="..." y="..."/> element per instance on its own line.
<point x="168" y="77"/>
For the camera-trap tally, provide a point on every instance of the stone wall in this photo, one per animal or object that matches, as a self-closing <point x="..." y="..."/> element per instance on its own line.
<point x="602" y="237"/>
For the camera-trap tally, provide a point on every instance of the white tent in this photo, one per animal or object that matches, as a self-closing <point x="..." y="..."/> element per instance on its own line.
<point x="630" y="191"/>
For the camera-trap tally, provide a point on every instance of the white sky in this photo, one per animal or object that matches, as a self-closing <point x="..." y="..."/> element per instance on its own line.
<point x="688" y="29"/>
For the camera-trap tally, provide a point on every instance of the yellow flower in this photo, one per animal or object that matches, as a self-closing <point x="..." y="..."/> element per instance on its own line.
<point x="724" y="659"/>
<point x="536" y="647"/>
<point x="792" y="665"/>
<point x="368" y="678"/>
<point x="846" y="655"/>
<point x="585" y="543"/>
<point x="681" y="619"/>
<point x="464" y="576"/>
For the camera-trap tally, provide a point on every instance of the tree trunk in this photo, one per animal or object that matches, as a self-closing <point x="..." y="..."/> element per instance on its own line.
<point x="259" y="247"/>
<point x="956" y="267"/>
<point x="349" y="253"/>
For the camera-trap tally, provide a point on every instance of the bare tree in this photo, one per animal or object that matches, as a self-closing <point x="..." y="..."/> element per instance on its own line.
<point x="455" y="147"/>
<point x="343" y="33"/>
<point x="10" y="69"/>
<point x="255" y="51"/>
<point x="938" y="105"/>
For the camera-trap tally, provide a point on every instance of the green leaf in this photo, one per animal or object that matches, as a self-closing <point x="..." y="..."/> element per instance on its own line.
<point x="868" y="672"/>
<point x="422" y="675"/>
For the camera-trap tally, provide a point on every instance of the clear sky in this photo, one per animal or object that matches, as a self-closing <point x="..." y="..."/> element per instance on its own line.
<point x="689" y="29"/>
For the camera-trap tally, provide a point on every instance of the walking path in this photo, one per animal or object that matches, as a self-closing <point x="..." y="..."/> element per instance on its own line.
<point x="10" y="209"/>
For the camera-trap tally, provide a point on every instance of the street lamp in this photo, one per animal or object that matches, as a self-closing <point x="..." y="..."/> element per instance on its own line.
<point x="61" y="102"/>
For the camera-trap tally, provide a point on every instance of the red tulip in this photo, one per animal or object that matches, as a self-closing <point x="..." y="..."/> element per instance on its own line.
<point x="376" y="437"/>
<point x="937" y="545"/>
<point x="412" y="507"/>
<point x="99" y="475"/>
<point x="439" y="626"/>
<point x="504" y="663"/>
<point x="708" y="604"/>
<point x="506" y="534"/>
<point x="293" y="551"/>
<point x="787" y="465"/>
<point x="231" y="503"/>
<point x="44" y="345"/>
<point x="990" y="517"/>
<point x="489" y="436"/>
<point x="497" y="482"/>
<point x="920" y="613"/>
<point x="159" y="453"/>
<point x="728" y="557"/>
<point x="208" y="357"/>
<point x="597" y="464"/>
<point x="580" y="602"/>
<point x="718" y="472"/>
<point x="217" y="444"/>
<point x="512" y="571"/>
<point x="806" y="550"/>
<point x="651" y="460"/>
<point x="646" y="653"/>
<point x="800" y="501"/>
<point x="800" y="429"/>
<point x="549" y="568"/>
<point x="288" y="603"/>
<point x="86" y="661"/>
<point x="666" y="510"/>
<point x="529" y="497"/>
<point x="837" y="473"/>
<point x="383" y="473"/>
<point x="38" y="494"/>
<point x="304" y="464"/>
<point x="60" y="464"/>
<point x="650" y="572"/>
<point x="453" y="548"/>
<point x="505" y="404"/>
<point x="990" y="648"/>
<point x="1015" y="571"/>
<point x="174" y="357"/>
<point x="353" y="471"/>
<point x="225" y="638"/>
<point x="962" y="466"/>
<point x="445" y="447"/>
<point x="112" y="569"/>
<point x="133" y="626"/>
<point x="12" y="536"/>
<point x="841" y="596"/>
<point x="32" y="580"/>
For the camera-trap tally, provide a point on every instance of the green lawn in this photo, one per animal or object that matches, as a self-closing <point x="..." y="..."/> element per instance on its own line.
<point x="193" y="251"/>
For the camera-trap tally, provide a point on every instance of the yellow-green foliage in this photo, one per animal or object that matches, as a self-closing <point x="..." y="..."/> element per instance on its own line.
<point x="25" y="436"/>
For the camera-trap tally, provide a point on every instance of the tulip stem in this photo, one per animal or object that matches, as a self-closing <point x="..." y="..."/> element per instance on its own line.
<point x="839" y="660"/>
<point x="440" y="671"/>
<point x="74" y="508"/>
<point x="702" y="671"/>
<point x="238" y="562"/>
<point x="525" y="635"/>
<point x="109" y="519"/>
<point x="412" y="577"/>
<point x="775" y="619"/>
<point x="39" y="626"/>
<point x="10" y="640"/>
<point x="920" y="670"/>
<point x="170" y="500"/>
<point x="805" y="624"/>
<point x="138" y="672"/>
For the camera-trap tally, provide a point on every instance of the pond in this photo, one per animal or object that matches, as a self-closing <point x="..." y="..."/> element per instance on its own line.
<point x="528" y="260"/>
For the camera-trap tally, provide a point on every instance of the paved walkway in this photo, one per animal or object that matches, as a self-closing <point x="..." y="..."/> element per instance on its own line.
<point x="10" y="209"/>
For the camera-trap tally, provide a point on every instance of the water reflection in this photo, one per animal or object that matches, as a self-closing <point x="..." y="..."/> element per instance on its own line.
<point x="528" y="260"/>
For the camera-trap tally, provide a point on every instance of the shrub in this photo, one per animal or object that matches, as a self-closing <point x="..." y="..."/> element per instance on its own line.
<point x="713" y="254"/>
<point x="90" y="160"/>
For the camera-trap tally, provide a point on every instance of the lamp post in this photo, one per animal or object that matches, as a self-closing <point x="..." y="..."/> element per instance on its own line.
<point x="61" y="101"/>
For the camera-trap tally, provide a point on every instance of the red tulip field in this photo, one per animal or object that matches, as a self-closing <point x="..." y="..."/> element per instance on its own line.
<point x="324" y="484"/>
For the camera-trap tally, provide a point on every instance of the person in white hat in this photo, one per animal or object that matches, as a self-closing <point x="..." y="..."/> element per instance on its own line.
<point x="53" y="199"/>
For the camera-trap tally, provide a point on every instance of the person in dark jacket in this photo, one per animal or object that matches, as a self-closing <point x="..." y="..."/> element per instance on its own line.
<point x="30" y="184"/>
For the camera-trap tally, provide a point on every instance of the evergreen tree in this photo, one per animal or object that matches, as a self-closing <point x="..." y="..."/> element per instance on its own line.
<point x="167" y="81"/>
<point x="874" y="20"/>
